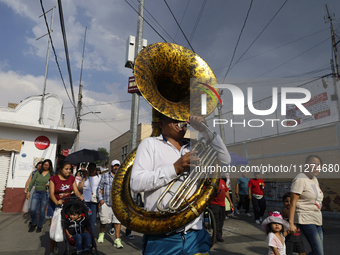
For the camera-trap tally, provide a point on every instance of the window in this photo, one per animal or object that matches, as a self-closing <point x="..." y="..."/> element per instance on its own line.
<point x="124" y="152"/>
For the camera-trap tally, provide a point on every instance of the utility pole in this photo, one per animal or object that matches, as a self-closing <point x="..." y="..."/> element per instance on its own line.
<point x="46" y="68"/>
<point x="80" y="97"/>
<point x="135" y="96"/>
<point x="329" y="17"/>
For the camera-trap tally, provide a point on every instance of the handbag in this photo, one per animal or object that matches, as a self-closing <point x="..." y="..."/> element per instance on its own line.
<point x="56" y="230"/>
<point x="94" y="198"/>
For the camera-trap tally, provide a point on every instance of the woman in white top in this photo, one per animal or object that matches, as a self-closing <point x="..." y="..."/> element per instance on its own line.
<point x="89" y="184"/>
<point x="305" y="204"/>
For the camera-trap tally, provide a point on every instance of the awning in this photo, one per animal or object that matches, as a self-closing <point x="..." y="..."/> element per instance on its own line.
<point x="10" y="145"/>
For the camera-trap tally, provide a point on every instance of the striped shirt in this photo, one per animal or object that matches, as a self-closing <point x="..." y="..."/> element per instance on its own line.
<point x="105" y="186"/>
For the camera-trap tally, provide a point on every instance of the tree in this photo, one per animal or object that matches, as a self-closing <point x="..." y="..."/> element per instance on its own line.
<point x="106" y="154"/>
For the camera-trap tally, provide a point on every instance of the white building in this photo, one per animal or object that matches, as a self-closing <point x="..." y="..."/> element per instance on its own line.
<point x="24" y="142"/>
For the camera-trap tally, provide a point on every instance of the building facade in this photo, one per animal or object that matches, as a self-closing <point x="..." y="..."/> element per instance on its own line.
<point x="26" y="137"/>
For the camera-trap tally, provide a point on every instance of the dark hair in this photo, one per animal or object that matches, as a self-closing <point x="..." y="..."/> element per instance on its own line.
<point x="285" y="196"/>
<point x="269" y="227"/>
<point x="313" y="156"/>
<point x="92" y="164"/>
<point x="64" y="163"/>
<point x="40" y="162"/>
<point x="76" y="208"/>
<point x="79" y="171"/>
<point x="50" y="168"/>
<point x="83" y="164"/>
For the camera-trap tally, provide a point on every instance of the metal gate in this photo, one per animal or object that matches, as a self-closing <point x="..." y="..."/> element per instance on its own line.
<point x="5" y="158"/>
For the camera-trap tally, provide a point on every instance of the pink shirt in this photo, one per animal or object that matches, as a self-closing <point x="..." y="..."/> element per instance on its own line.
<point x="273" y="241"/>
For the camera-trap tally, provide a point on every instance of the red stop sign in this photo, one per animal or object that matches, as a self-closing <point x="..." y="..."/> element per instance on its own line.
<point x="42" y="142"/>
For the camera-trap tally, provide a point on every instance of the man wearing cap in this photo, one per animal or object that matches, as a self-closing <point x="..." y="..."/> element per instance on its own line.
<point x="106" y="214"/>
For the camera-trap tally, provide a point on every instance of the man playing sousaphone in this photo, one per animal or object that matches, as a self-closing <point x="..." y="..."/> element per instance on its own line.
<point x="163" y="72"/>
<point x="159" y="160"/>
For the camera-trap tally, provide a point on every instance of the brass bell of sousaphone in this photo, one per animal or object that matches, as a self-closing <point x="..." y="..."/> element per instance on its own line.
<point x="163" y="72"/>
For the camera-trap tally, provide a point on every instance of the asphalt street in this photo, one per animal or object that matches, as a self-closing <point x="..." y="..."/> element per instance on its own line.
<point x="241" y="235"/>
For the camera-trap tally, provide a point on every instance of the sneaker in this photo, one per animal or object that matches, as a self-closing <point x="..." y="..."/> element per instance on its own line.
<point x="257" y="222"/>
<point x="112" y="231"/>
<point x="38" y="229"/>
<point x="101" y="238"/>
<point x="131" y="237"/>
<point x="32" y="228"/>
<point x="226" y="217"/>
<point x="118" y="244"/>
<point x="261" y="219"/>
<point x="237" y="211"/>
<point x="248" y="214"/>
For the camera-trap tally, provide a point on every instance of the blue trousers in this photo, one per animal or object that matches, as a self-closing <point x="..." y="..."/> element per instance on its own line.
<point x="194" y="242"/>
<point x="94" y="208"/>
<point x="78" y="241"/>
<point x="314" y="236"/>
<point x="38" y="204"/>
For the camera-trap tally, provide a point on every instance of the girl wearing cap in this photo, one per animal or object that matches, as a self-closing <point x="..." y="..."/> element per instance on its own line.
<point x="276" y="228"/>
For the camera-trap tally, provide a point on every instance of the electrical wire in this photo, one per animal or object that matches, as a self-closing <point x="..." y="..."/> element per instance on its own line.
<point x="293" y="57"/>
<point x="103" y="120"/>
<point x="118" y="102"/>
<point x="55" y="54"/>
<point x="260" y="33"/>
<point x="146" y="22"/>
<point x="62" y="24"/>
<point x="157" y="23"/>
<point x="185" y="11"/>
<point x="238" y="40"/>
<point x="197" y="20"/>
<point x="179" y="26"/>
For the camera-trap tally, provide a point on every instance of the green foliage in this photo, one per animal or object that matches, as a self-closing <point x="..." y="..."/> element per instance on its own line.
<point x="106" y="154"/>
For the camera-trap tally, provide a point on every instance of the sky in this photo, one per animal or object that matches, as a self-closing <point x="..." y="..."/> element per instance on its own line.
<point x="257" y="39"/>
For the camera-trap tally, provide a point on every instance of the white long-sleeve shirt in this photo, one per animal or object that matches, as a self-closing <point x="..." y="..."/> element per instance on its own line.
<point x="153" y="170"/>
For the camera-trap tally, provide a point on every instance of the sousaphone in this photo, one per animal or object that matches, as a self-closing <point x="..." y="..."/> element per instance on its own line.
<point x="163" y="73"/>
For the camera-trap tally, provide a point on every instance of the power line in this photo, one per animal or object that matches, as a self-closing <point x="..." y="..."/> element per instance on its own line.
<point x="182" y="17"/>
<point x="293" y="58"/>
<point x="198" y="20"/>
<point x="157" y="23"/>
<point x="264" y="52"/>
<point x="238" y="40"/>
<point x="103" y="120"/>
<point x="260" y="33"/>
<point x="118" y="102"/>
<point x="115" y="119"/>
<point x="62" y="24"/>
<point x="55" y="55"/>
<point x="146" y="21"/>
<point x="179" y="26"/>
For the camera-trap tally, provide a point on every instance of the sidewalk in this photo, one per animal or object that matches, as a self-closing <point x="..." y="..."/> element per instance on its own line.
<point x="241" y="235"/>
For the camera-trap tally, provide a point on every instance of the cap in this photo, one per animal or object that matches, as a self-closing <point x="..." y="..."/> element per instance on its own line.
<point x="115" y="162"/>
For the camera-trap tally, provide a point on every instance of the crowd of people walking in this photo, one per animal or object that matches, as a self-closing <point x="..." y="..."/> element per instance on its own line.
<point x="300" y="214"/>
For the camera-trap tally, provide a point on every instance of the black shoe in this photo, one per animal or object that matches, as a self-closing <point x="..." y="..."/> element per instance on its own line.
<point x="32" y="228"/>
<point x="29" y="224"/>
<point x="219" y="240"/>
<point x="38" y="229"/>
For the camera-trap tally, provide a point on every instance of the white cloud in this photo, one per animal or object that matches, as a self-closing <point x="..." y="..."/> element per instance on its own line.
<point x="95" y="134"/>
